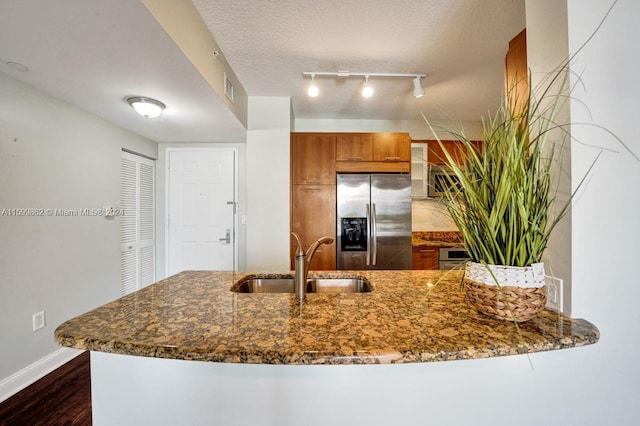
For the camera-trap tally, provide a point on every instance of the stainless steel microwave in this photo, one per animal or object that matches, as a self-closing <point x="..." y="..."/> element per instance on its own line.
<point x="440" y="178"/>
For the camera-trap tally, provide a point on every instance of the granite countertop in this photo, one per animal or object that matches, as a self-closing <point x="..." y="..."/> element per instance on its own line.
<point x="406" y="318"/>
<point x="436" y="239"/>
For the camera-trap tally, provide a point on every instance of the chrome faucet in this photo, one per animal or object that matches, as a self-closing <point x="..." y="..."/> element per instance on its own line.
<point x="302" y="262"/>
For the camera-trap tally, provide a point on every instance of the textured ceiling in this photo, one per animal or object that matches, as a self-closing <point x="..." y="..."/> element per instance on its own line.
<point x="93" y="53"/>
<point x="459" y="44"/>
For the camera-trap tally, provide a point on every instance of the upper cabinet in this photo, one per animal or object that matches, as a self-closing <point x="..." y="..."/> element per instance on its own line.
<point x="391" y="147"/>
<point x="373" y="152"/>
<point x="419" y="170"/>
<point x="435" y="151"/>
<point x="313" y="158"/>
<point x="354" y="147"/>
<point x="517" y="75"/>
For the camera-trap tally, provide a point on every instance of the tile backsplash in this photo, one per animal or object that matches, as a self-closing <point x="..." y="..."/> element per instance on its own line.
<point x="430" y="215"/>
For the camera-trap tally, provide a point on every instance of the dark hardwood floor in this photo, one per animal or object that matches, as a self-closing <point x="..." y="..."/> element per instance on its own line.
<point x="63" y="397"/>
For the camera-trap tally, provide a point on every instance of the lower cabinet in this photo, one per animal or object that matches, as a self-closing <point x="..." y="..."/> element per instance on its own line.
<point x="313" y="215"/>
<point x="424" y="257"/>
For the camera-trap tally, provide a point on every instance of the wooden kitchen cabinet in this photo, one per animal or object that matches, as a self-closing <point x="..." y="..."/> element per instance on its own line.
<point x="313" y="158"/>
<point x="313" y="215"/>
<point x="354" y="147"/>
<point x="436" y="155"/>
<point x="391" y="147"/>
<point x="425" y="257"/>
<point x="373" y="152"/>
<point x="313" y="194"/>
<point x="517" y="75"/>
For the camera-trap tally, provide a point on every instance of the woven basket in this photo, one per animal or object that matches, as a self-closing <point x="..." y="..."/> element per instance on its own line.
<point x="518" y="295"/>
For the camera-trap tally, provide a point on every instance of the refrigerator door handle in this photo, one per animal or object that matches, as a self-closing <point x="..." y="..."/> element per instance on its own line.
<point x="374" y="226"/>
<point x="368" y="214"/>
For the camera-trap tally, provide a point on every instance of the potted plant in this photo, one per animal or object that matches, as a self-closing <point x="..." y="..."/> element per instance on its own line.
<point x="500" y="197"/>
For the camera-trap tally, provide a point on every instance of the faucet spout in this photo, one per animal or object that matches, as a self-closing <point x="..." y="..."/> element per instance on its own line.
<point x="312" y="249"/>
<point x="302" y="262"/>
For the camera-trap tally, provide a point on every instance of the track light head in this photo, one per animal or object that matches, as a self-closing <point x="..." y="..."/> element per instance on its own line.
<point x="418" y="91"/>
<point x="367" y="90"/>
<point x="313" y="89"/>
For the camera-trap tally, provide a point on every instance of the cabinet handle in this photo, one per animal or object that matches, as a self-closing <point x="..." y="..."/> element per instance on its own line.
<point x="312" y="182"/>
<point x="354" y="158"/>
<point x="311" y="189"/>
<point x="391" y="158"/>
<point x="427" y="250"/>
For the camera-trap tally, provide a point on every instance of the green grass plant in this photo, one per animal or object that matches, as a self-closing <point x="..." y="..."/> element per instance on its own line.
<point x="500" y="196"/>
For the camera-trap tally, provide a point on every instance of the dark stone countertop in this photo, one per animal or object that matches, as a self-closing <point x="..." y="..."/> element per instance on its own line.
<point x="436" y="239"/>
<point x="410" y="316"/>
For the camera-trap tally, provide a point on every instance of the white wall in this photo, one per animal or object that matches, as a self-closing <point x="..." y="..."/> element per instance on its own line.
<point x="547" y="50"/>
<point x="418" y="129"/>
<point x="606" y="230"/>
<point x="268" y="153"/>
<point x="53" y="155"/>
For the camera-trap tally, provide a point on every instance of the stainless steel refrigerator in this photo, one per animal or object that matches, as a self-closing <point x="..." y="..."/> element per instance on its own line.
<point x="373" y="221"/>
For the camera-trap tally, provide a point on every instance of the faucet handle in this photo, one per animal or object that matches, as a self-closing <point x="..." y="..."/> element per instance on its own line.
<point x="299" y="251"/>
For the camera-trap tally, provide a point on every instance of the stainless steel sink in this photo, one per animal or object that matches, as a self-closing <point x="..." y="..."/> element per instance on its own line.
<point x="314" y="285"/>
<point x="263" y="285"/>
<point x="338" y="285"/>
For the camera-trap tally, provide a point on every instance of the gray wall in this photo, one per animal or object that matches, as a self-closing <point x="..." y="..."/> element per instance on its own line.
<point x="53" y="155"/>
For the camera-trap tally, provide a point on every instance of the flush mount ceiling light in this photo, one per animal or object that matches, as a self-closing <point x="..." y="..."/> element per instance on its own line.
<point x="313" y="88"/>
<point x="367" y="89"/>
<point x="146" y="107"/>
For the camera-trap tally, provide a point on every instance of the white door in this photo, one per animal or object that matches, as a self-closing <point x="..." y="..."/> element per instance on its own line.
<point x="137" y="223"/>
<point x="201" y="206"/>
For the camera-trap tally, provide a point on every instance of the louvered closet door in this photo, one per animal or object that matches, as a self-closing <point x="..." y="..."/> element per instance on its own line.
<point x="137" y="225"/>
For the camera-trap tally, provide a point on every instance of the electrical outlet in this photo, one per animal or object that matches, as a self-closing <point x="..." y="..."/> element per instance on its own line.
<point x="38" y="321"/>
<point x="554" y="293"/>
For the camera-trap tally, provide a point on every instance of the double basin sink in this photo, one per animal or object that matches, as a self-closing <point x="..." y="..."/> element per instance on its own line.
<point x="314" y="285"/>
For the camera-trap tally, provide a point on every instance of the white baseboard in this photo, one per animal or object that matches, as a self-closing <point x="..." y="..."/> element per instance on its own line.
<point x="31" y="373"/>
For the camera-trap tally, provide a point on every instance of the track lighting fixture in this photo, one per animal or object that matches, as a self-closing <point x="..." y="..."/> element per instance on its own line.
<point x="313" y="88"/>
<point x="367" y="89"/>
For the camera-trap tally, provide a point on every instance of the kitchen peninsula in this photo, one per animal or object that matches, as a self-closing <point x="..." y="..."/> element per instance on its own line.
<point x="409" y="317"/>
